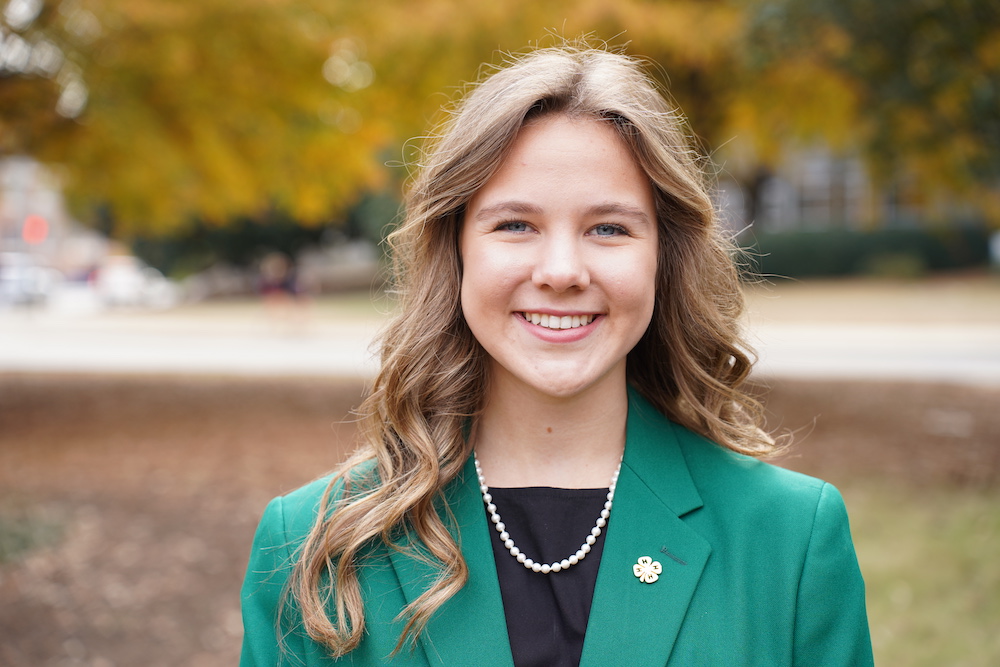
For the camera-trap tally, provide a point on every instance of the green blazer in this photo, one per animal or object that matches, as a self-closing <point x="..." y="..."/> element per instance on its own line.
<point x="758" y="568"/>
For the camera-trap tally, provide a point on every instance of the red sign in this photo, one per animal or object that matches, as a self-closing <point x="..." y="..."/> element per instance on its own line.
<point x="35" y="229"/>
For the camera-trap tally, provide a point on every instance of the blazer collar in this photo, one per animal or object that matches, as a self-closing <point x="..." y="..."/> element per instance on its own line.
<point x="654" y="490"/>
<point x="653" y="454"/>
<point x="470" y="628"/>
<point x="632" y="622"/>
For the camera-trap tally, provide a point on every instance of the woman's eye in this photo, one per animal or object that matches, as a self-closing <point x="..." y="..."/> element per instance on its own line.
<point x="513" y="226"/>
<point x="609" y="230"/>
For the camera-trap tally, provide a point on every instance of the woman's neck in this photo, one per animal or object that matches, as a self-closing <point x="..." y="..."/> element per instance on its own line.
<point x="526" y="439"/>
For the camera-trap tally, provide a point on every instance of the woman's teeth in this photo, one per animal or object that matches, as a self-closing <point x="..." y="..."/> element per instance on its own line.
<point x="557" y="322"/>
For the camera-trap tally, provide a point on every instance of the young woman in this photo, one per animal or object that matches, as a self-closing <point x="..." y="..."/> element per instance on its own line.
<point x="558" y="465"/>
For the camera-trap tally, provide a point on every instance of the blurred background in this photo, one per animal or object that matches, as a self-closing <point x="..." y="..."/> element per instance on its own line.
<point x="193" y="197"/>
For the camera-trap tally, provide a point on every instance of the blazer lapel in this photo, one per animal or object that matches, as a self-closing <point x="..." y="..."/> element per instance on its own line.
<point x="632" y="622"/>
<point x="470" y="628"/>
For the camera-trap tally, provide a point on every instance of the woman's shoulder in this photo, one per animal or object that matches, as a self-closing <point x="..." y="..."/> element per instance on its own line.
<point x="296" y="511"/>
<point x="727" y="467"/>
<point x="744" y="487"/>
<point x="712" y="466"/>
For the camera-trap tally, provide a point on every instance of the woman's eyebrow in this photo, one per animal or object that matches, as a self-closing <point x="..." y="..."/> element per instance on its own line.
<point x="509" y="208"/>
<point x="624" y="210"/>
<point x="525" y="208"/>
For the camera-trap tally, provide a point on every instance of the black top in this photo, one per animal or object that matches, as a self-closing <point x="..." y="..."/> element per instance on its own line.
<point x="547" y="613"/>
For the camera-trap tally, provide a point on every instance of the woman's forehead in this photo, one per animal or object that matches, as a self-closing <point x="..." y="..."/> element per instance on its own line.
<point x="560" y="159"/>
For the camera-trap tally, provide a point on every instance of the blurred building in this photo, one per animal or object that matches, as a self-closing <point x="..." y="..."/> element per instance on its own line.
<point x="813" y="189"/>
<point x="34" y="220"/>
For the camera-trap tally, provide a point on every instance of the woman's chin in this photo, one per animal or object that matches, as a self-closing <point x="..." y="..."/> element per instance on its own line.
<point x="567" y="383"/>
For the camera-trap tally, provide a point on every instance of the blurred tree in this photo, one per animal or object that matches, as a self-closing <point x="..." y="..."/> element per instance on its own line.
<point x="164" y="110"/>
<point x="35" y="78"/>
<point x="921" y="81"/>
<point x="158" y="114"/>
<point x="161" y="113"/>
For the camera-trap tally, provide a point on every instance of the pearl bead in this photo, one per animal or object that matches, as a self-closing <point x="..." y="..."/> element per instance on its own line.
<point x="508" y="541"/>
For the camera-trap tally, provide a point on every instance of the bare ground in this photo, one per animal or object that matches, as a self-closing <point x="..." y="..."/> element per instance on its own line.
<point x="154" y="485"/>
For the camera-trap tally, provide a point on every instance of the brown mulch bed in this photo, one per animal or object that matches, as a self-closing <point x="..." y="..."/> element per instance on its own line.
<point x="154" y="486"/>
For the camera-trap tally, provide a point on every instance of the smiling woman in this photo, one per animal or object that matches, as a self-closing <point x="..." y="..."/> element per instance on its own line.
<point x="557" y="443"/>
<point x="564" y="232"/>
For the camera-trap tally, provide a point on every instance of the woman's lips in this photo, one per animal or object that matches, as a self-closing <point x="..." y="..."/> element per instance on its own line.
<point x="585" y="325"/>
<point x="558" y="322"/>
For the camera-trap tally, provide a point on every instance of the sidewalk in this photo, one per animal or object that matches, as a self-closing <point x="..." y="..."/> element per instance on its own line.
<point x="943" y="329"/>
<point x="967" y="354"/>
<point x="211" y="339"/>
<point x="825" y="330"/>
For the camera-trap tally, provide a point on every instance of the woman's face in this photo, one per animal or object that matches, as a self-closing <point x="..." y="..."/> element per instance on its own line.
<point x="559" y="253"/>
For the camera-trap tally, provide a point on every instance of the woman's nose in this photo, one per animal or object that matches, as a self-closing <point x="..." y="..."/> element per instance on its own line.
<point x="561" y="265"/>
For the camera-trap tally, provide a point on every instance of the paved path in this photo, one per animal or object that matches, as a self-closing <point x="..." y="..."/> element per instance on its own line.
<point x="179" y="343"/>
<point x="244" y="342"/>
<point x="967" y="354"/>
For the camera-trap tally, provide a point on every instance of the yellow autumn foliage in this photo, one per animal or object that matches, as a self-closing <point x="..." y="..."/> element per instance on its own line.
<point x="217" y="109"/>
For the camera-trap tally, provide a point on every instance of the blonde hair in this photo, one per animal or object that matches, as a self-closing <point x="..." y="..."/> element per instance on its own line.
<point x="690" y="363"/>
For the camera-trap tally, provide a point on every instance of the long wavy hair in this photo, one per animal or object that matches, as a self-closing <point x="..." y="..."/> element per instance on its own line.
<point x="690" y="363"/>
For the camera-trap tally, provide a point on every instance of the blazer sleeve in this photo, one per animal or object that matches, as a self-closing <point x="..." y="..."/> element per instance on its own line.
<point x="831" y="623"/>
<point x="265" y="642"/>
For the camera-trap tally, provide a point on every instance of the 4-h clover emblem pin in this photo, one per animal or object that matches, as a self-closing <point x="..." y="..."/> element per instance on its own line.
<point x="647" y="569"/>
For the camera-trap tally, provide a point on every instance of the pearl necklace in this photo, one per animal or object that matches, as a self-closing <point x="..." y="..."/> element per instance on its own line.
<point x="557" y="566"/>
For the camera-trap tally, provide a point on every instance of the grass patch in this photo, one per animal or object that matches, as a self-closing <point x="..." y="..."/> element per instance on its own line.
<point x="25" y="530"/>
<point x="931" y="560"/>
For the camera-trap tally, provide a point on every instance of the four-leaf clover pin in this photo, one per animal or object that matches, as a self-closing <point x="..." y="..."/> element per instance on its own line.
<point x="647" y="569"/>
